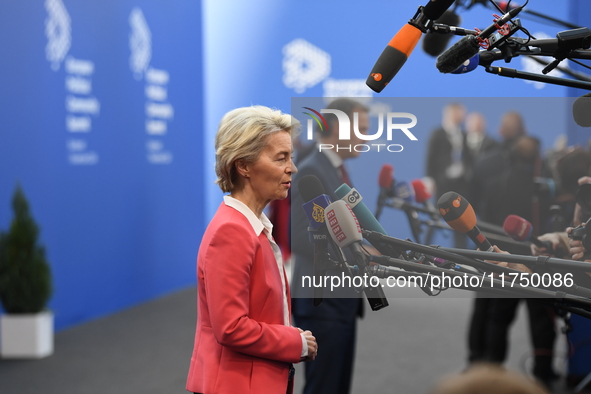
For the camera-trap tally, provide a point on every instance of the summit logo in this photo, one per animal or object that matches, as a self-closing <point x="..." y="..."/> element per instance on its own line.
<point x="58" y="32"/>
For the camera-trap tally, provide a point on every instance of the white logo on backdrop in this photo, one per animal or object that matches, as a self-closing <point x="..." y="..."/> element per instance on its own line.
<point x="58" y="32"/>
<point x="140" y="43"/>
<point x="346" y="88"/>
<point x="159" y="112"/>
<point x="530" y="65"/>
<point x="304" y="65"/>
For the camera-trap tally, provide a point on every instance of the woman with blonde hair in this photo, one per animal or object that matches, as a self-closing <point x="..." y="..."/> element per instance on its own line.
<point x="244" y="341"/>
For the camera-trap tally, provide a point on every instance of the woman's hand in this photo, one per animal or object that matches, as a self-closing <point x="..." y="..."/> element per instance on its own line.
<point x="312" y="345"/>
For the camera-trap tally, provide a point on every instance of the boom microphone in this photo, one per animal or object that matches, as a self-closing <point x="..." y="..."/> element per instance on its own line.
<point x="434" y="43"/>
<point x="403" y="43"/>
<point x="460" y="216"/>
<point x="469" y="46"/>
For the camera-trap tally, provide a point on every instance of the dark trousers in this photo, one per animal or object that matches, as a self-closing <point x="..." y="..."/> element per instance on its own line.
<point x="332" y="370"/>
<point x="489" y="331"/>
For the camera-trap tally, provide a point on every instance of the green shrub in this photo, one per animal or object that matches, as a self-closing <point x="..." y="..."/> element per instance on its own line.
<point x="25" y="277"/>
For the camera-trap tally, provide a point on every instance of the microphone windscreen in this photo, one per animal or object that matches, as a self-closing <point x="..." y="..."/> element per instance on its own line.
<point x="517" y="228"/>
<point x="454" y="57"/>
<point x="435" y="8"/>
<point x="457" y="212"/>
<point x="582" y="110"/>
<point x="310" y="187"/>
<point x="435" y="43"/>
<point x="386" y="176"/>
<point x="422" y="194"/>
<point x="342" y="223"/>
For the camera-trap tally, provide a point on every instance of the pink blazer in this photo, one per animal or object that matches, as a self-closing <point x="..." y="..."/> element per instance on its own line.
<point x="241" y="342"/>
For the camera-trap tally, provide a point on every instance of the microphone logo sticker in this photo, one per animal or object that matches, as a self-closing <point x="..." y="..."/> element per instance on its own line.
<point x="334" y="226"/>
<point x="456" y="203"/>
<point x="318" y="213"/>
<point x="353" y="197"/>
<point x="376" y="77"/>
<point x="443" y="211"/>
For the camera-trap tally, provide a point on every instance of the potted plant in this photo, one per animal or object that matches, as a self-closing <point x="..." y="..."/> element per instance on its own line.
<point x="26" y="328"/>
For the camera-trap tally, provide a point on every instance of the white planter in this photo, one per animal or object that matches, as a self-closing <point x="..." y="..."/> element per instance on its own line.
<point x="26" y="335"/>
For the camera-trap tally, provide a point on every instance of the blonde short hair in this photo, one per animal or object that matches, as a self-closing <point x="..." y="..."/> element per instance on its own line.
<point x="242" y="134"/>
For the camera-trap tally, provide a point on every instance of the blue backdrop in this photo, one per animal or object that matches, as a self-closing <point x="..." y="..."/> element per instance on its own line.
<point x="102" y="126"/>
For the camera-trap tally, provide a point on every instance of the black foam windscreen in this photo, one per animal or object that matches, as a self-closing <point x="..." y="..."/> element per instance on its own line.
<point x="435" y="8"/>
<point x="435" y="43"/>
<point x="582" y="110"/>
<point x="459" y="52"/>
<point x="310" y="187"/>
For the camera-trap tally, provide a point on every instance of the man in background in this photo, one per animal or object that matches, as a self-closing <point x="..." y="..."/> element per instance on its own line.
<point x="334" y="321"/>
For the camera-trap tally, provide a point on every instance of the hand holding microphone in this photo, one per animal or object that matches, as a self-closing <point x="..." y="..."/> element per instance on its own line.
<point x="521" y="230"/>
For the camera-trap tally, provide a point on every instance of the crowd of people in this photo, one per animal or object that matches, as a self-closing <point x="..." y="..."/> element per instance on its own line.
<point x="509" y="177"/>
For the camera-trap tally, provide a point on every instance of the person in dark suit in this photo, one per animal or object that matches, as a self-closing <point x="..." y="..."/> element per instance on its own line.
<point x="448" y="157"/>
<point x="334" y="321"/>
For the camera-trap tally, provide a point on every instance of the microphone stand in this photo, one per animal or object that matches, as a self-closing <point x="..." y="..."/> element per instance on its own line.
<point x="561" y="299"/>
<point x="511" y="47"/>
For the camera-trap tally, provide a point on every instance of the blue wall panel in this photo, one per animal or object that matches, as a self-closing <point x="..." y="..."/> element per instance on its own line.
<point x="102" y="126"/>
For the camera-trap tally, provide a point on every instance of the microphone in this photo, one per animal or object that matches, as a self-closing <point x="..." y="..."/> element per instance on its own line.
<point x="345" y="231"/>
<point x="582" y="110"/>
<point x="422" y="192"/>
<point x="386" y="182"/>
<point x="403" y="43"/>
<point x="460" y="216"/>
<point x="352" y="197"/>
<point x="435" y="42"/>
<point x="521" y="230"/>
<point x="312" y="191"/>
<point x="405" y="192"/>
<point x="469" y="46"/>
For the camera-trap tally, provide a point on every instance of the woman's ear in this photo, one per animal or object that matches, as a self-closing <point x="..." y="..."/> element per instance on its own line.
<point x="242" y="168"/>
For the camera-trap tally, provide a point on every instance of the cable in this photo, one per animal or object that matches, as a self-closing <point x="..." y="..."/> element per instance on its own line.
<point x="579" y="63"/>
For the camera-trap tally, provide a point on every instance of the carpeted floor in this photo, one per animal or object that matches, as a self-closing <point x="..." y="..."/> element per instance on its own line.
<point x="404" y="348"/>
